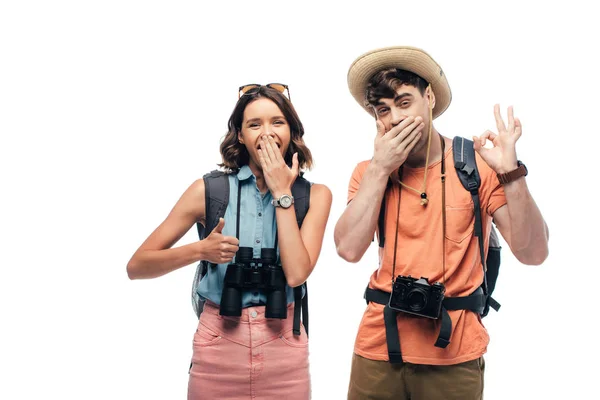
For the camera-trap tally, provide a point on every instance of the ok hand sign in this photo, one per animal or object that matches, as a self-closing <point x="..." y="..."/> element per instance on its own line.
<point x="502" y="157"/>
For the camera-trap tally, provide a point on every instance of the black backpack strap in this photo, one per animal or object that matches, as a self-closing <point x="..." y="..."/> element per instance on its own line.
<point x="493" y="269"/>
<point x="381" y="218"/>
<point x="216" y="198"/>
<point x="300" y="306"/>
<point x="301" y="194"/>
<point x="297" y="309"/>
<point x="305" y="308"/>
<point x="392" y="336"/>
<point x="466" y="168"/>
<point x="475" y="302"/>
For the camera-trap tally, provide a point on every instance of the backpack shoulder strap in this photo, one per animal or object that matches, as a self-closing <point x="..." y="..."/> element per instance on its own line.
<point x="466" y="167"/>
<point x="465" y="163"/>
<point x="381" y="218"/>
<point x="216" y="198"/>
<point x="301" y="194"/>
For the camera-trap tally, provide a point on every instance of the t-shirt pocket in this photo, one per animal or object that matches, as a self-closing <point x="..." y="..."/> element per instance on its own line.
<point x="459" y="222"/>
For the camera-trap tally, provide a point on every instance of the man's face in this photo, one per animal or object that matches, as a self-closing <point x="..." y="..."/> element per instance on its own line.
<point x="408" y="102"/>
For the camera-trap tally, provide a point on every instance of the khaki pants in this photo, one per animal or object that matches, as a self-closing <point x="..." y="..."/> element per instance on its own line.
<point x="380" y="380"/>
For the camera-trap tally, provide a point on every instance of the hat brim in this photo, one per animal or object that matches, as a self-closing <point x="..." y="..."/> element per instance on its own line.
<point x="403" y="57"/>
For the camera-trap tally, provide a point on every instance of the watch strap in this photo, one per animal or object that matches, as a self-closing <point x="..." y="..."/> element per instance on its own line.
<point x="513" y="175"/>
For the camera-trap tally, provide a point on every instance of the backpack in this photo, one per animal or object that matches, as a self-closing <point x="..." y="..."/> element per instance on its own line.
<point x="216" y="197"/>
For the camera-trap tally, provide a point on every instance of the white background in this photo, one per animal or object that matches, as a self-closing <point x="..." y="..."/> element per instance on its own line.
<point x="109" y="110"/>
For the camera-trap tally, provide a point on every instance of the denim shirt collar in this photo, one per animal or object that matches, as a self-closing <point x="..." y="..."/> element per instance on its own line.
<point x="245" y="173"/>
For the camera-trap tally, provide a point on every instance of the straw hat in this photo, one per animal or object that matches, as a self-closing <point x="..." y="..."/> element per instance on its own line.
<point x="403" y="57"/>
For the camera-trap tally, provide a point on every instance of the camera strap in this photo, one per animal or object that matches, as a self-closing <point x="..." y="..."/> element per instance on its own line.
<point x="443" y="180"/>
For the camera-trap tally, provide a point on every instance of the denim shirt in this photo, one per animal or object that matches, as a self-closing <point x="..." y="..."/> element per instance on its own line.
<point x="257" y="230"/>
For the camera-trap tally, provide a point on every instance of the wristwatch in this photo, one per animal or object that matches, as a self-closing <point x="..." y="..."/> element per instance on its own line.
<point x="285" y="201"/>
<point x="514" y="174"/>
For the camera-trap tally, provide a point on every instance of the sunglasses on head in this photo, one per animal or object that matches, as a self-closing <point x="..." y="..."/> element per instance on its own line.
<point x="254" y="88"/>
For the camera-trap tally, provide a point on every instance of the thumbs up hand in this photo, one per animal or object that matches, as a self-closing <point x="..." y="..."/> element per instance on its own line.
<point x="219" y="227"/>
<point x="218" y="248"/>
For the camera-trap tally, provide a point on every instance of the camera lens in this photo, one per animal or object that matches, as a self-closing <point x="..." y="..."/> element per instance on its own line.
<point x="244" y="255"/>
<point x="417" y="300"/>
<point x="268" y="255"/>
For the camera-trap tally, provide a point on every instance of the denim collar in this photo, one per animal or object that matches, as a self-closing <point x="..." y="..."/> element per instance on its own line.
<point x="245" y="173"/>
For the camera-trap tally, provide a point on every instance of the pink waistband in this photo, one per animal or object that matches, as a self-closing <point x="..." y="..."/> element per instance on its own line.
<point x="252" y="328"/>
<point x="255" y="313"/>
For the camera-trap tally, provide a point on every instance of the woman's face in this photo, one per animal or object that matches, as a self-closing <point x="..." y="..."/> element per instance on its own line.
<point x="262" y="117"/>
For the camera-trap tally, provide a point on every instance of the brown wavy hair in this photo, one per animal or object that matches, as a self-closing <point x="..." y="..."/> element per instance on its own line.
<point x="235" y="155"/>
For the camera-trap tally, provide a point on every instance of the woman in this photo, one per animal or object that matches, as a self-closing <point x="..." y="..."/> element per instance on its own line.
<point x="250" y="355"/>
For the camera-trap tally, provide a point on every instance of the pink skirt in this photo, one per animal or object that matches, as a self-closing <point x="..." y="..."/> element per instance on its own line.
<point x="248" y="357"/>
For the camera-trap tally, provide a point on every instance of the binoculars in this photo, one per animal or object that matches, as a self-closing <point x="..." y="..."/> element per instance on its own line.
<point x="249" y="273"/>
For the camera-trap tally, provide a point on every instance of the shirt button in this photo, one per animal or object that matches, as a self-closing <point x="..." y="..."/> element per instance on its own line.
<point x="260" y="214"/>
<point x="254" y="314"/>
<point x="257" y="241"/>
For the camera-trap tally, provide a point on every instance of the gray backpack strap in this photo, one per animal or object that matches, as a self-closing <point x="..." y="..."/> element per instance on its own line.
<point x="466" y="168"/>
<point x="216" y="195"/>
<point x="216" y="198"/>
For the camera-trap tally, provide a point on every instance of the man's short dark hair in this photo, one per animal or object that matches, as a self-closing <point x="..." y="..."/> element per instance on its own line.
<point x="385" y="83"/>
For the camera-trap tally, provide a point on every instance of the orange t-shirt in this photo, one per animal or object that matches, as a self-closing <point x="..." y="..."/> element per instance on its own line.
<point x="419" y="254"/>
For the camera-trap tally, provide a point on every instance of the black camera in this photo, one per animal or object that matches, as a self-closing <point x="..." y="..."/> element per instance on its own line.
<point x="248" y="273"/>
<point x="417" y="296"/>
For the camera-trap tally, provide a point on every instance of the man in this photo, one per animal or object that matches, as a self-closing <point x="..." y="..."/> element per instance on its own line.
<point x="428" y="222"/>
